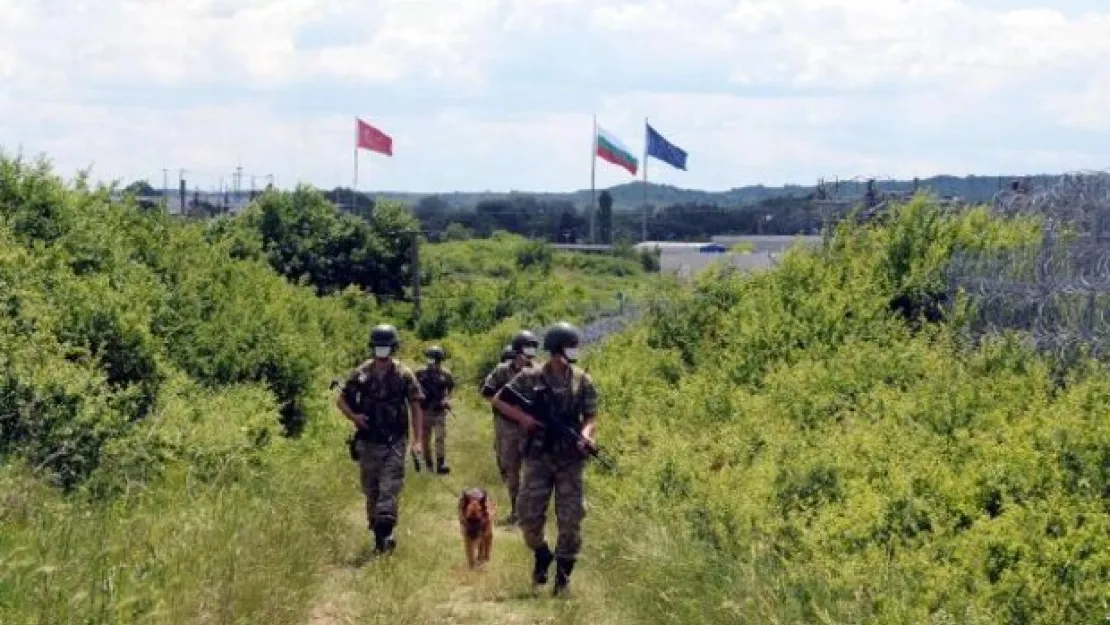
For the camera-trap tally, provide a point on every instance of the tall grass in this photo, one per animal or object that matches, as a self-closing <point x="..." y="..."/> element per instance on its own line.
<point x="179" y="550"/>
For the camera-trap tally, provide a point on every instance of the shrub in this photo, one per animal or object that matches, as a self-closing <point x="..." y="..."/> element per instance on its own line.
<point x="807" y="454"/>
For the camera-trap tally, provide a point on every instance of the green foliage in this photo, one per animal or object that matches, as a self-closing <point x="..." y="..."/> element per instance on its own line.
<point x="476" y="286"/>
<point x="104" y="304"/>
<point x="150" y="366"/>
<point x="799" y="452"/>
<point x="305" y="238"/>
<point x="457" y="232"/>
<point x="534" y="254"/>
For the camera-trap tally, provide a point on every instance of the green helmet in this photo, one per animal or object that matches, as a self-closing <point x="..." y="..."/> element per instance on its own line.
<point x="523" y="339"/>
<point x="384" y="335"/>
<point x="508" y="353"/>
<point x="561" y="336"/>
<point x="436" y="353"/>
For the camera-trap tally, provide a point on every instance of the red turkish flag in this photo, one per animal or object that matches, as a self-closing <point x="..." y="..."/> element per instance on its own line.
<point x="370" y="138"/>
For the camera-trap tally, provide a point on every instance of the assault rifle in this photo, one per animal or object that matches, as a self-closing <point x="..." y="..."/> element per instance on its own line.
<point x="541" y="410"/>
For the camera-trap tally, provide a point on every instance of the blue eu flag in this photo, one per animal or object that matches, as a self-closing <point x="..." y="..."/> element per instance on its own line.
<point x="664" y="150"/>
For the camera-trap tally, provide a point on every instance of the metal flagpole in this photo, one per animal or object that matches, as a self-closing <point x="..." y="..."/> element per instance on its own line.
<point x="354" y="184"/>
<point x="593" y="180"/>
<point x="643" y="230"/>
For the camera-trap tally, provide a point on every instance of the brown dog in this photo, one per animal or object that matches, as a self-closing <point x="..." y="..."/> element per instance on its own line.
<point x="476" y="510"/>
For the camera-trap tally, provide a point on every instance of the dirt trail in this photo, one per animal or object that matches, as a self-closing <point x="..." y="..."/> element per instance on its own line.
<point x="426" y="580"/>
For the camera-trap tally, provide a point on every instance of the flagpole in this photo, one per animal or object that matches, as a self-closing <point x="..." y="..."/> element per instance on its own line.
<point x="643" y="230"/>
<point x="593" y="181"/>
<point x="354" y="184"/>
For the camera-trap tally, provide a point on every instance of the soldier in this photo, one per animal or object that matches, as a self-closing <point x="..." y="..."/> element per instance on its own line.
<point x="374" y="399"/>
<point x="508" y="435"/>
<point x="551" y="461"/>
<point x="437" y="383"/>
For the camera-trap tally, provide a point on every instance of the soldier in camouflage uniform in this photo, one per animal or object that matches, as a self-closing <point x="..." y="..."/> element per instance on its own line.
<point x="554" y="462"/>
<point x="437" y="383"/>
<point x="374" y="399"/>
<point x="508" y="435"/>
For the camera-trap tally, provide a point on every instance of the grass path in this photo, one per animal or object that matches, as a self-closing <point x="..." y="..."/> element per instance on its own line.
<point x="426" y="580"/>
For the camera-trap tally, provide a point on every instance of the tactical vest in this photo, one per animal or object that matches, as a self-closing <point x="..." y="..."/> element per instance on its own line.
<point x="382" y="400"/>
<point x="434" y="384"/>
<point x="568" y="411"/>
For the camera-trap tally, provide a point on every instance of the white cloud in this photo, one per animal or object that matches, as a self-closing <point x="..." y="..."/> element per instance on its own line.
<point x="860" y="43"/>
<point x="206" y="41"/>
<point x="834" y="87"/>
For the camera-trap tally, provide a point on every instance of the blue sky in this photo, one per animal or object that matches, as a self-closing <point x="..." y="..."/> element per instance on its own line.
<point x="499" y="94"/>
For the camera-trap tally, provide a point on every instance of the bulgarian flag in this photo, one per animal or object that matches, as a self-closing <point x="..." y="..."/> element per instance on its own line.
<point x="609" y="148"/>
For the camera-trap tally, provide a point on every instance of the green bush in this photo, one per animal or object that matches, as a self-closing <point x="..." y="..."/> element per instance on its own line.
<point x="798" y="451"/>
<point x="106" y="304"/>
<point x="534" y="254"/>
<point x="304" y="237"/>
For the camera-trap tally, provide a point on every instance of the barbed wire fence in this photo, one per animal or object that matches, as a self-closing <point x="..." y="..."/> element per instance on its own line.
<point x="1054" y="294"/>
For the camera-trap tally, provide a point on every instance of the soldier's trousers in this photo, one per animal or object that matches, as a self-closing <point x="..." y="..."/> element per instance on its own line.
<point x="544" y="473"/>
<point x="382" y="471"/>
<point x="508" y="446"/>
<point x="435" y="421"/>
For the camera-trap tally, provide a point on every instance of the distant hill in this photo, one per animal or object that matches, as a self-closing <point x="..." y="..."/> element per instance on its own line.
<point x="629" y="196"/>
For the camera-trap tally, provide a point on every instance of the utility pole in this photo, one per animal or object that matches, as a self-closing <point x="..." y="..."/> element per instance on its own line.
<point x="165" y="190"/>
<point x="237" y="195"/>
<point x="181" y="190"/>
<point x="416" y="274"/>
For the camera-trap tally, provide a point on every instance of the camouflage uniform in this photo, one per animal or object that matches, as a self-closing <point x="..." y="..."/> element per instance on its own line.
<point x="437" y="386"/>
<point x="553" y="462"/>
<point x="380" y="395"/>
<point x="508" y="435"/>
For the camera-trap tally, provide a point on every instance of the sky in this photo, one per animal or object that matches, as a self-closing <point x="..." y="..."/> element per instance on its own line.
<point x="500" y="94"/>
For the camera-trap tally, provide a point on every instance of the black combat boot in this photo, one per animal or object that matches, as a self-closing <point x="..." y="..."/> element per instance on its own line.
<point x="441" y="467"/>
<point x="383" y="539"/>
<point x="563" y="567"/>
<point x="543" y="561"/>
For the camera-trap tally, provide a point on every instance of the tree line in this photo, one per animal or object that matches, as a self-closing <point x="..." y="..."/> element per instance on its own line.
<point x="561" y="221"/>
